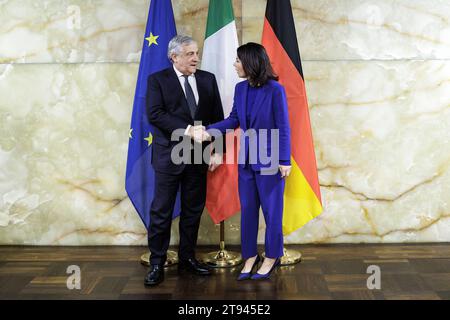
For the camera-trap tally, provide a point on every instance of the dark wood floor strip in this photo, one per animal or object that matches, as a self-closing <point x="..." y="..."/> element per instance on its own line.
<point x="408" y="271"/>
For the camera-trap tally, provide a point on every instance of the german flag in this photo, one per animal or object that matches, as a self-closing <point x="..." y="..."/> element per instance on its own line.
<point x="302" y="201"/>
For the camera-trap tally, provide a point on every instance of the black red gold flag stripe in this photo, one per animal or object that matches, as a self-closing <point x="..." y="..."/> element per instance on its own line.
<point x="302" y="199"/>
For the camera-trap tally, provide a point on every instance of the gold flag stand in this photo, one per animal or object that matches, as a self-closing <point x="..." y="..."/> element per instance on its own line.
<point x="221" y="258"/>
<point x="290" y="257"/>
<point x="172" y="258"/>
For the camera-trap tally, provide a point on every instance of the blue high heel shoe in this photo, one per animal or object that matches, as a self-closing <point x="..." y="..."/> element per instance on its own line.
<point x="247" y="275"/>
<point x="259" y="276"/>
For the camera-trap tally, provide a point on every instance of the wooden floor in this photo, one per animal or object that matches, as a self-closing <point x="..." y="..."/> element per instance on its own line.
<point x="415" y="271"/>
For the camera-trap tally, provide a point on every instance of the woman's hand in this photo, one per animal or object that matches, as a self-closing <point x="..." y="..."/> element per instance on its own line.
<point x="215" y="161"/>
<point x="285" y="171"/>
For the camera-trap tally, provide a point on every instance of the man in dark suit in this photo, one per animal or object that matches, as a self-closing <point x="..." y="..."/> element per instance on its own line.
<point x="179" y="97"/>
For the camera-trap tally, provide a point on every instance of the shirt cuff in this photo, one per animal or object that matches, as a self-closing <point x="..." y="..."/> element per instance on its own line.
<point x="285" y="162"/>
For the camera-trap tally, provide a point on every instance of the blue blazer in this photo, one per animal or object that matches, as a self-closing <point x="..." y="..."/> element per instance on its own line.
<point x="269" y="112"/>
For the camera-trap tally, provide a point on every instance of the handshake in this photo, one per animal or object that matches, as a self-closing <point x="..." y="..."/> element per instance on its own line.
<point x="198" y="133"/>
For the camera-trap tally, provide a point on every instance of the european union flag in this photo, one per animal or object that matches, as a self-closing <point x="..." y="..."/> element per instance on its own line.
<point x="140" y="176"/>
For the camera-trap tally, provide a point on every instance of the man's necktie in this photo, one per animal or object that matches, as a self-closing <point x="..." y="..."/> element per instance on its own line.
<point x="190" y="96"/>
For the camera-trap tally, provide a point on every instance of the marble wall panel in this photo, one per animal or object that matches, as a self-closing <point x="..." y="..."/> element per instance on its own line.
<point x="381" y="138"/>
<point x="362" y="29"/>
<point x="377" y="76"/>
<point x="73" y="31"/>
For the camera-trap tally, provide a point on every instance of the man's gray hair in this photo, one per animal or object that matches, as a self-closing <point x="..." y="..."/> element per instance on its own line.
<point x="176" y="43"/>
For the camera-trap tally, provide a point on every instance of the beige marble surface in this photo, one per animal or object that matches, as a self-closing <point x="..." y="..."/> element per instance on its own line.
<point x="111" y="30"/>
<point x="63" y="150"/>
<point x="382" y="140"/>
<point x="381" y="136"/>
<point x="356" y="29"/>
<point x="74" y="31"/>
<point x="71" y="31"/>
<point x="379" y="94"/>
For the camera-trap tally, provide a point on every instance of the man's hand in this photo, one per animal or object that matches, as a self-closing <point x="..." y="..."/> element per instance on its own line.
<point x="215" y="161"/>
<point x="199" y="134"/>
<point x="195" y="132"/>
<point x="285" y="171"/>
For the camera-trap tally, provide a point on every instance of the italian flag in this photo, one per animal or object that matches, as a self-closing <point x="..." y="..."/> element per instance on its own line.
<point x="302" y="200"/>
<point x="219" y="54"/>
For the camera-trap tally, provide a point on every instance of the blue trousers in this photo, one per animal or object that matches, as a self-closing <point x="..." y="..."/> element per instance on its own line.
<point x="266" y="191"/>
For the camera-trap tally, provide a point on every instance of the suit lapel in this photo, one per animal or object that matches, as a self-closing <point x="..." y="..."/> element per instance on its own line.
<point x="201" y="89"/>
<point x="259" y="101"/>
<point x="176" y="88"/>
<point x="243" y="110"/>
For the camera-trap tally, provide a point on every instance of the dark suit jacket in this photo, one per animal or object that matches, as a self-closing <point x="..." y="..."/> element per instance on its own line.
<point x="269" y="112"/>
<point x="168" y="110"/>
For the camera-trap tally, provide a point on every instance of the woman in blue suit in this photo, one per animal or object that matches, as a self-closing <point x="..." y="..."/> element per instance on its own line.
<point x="260" y="108"/>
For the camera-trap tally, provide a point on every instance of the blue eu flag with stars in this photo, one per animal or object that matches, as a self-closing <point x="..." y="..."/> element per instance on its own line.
<point x="140" y="176"/>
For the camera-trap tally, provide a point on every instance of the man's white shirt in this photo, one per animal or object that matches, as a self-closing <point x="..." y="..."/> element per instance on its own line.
<point x="192" y="82"/>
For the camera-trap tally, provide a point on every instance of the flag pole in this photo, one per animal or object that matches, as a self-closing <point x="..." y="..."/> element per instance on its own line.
<point x="139" y="182"/>
<point x="219" y="54"/>
<point x="280" y="40"/>
<point x="222" y="258"/>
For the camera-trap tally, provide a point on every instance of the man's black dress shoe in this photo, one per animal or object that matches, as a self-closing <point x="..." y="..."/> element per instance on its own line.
<point x="155" y="276"/>
<point x="193" y="266"/>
